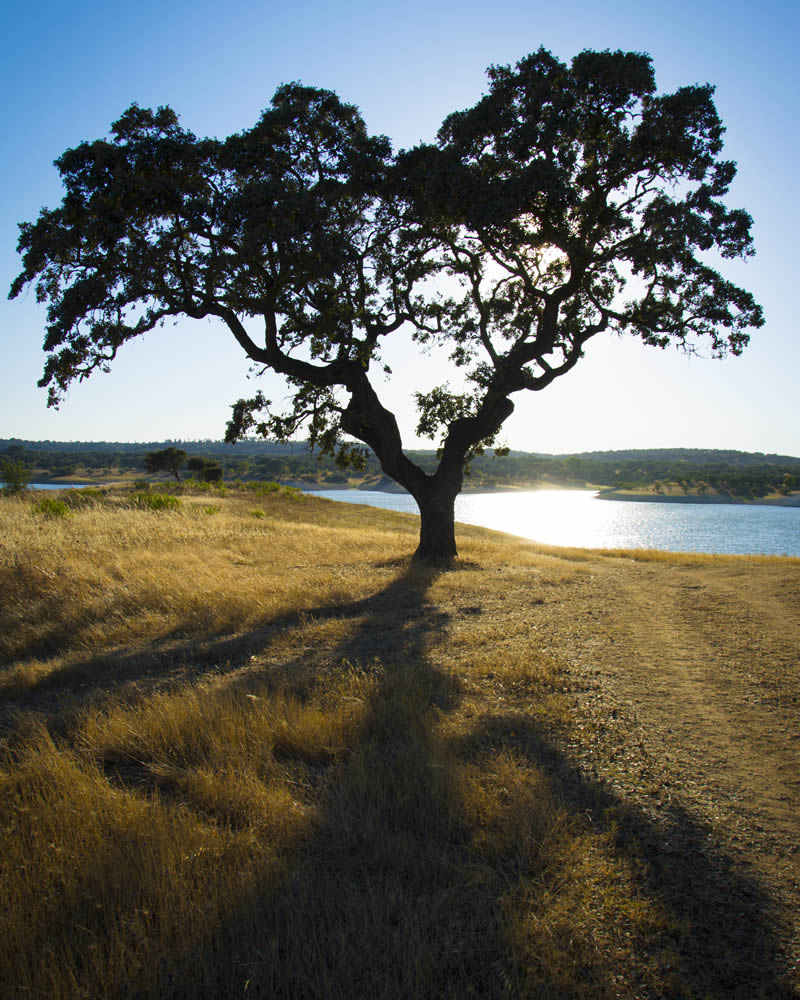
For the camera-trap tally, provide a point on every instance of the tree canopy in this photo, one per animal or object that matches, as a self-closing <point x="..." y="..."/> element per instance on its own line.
<point x="206" y="470"/>
<point x="166" y="459"/>
<point x="569" y="201"/>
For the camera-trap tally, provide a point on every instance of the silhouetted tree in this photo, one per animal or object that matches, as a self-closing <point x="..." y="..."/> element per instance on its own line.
<point x="571" y="200"/>
<point x="167" y="460"/>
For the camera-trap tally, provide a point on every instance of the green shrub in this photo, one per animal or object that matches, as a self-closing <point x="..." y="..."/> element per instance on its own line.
<point x="265" y="488"/>
<point x="51" y="507"/>
<point x="173" y="489"/>
<point x="212" y="509"/>
<point x="155" y="501"/>
<point x="141" y="484"/>
<point x="196" y="486"/>
<point x="261" y="488"/>
<point x="257" y="513"/>
<point x="82" y="498"/>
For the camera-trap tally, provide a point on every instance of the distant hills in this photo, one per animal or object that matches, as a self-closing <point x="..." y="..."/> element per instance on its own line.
<point x="203" y="447"/>
<point x="690" y="470"/>
<point x="696" y="456"/>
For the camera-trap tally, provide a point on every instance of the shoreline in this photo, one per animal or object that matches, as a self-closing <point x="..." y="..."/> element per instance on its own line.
<point x="792" y="500"/>
<point x="385" y="485"/>
<point x="601" y="493"/>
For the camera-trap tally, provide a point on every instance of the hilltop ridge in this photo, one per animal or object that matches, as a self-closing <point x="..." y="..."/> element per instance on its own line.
<point x="698" y="456"/>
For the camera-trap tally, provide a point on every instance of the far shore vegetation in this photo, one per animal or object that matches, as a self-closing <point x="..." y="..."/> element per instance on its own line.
<point x="248" y="748"/>
<point x="654" y="473"/>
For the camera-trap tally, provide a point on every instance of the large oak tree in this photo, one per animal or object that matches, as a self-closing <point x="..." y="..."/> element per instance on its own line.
<point x="568" y="202"/>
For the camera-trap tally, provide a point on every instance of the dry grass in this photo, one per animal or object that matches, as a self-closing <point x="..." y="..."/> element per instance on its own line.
<point x="113" y="575"/>
<point x="266" y="757"/>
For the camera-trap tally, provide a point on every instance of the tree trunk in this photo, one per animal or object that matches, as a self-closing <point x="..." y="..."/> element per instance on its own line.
<point x="437" y="532"/>
<point x="369" y="421"/>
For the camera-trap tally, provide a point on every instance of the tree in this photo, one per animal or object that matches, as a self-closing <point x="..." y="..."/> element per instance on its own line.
<point x="568" y="202"/>
<point x="206" y="470"/>
<point x="167" y="460"/>
<point x="15" y="474"/>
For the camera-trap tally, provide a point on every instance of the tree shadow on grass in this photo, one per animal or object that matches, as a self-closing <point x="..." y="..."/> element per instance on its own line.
<point x="385" y="894"/>
<point x="172" y="661"/>
<point x="717" y="938"/>
<point x="403" y="891"/>
<point x="397" y="888"/>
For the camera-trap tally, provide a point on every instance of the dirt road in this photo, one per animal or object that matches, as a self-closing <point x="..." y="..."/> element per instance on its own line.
<point x="690" y="673"/>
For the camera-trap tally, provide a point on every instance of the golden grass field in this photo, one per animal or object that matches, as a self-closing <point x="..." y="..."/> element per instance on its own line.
<point x="247" y="749"/>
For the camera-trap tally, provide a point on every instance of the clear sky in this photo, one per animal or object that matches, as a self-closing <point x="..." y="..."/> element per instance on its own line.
<point x="69" y="69"/>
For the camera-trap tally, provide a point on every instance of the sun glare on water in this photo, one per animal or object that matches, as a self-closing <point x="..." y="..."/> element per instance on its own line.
<point x="556" y="517"/>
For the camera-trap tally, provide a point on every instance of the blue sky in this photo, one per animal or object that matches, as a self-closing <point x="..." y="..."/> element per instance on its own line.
<point x="69" y="70"/>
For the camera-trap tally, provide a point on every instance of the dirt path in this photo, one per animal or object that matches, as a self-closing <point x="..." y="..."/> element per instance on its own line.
<point x="708" y="694"/>
<point x="691" y="674"/>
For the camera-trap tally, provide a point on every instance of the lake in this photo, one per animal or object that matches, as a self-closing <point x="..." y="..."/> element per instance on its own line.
<point x="576" y="518"/>
<point x="60" y="486"/>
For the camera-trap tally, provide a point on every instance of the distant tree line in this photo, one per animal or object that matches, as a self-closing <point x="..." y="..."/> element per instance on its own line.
<point x="172" y="460"/>
<point x="693" y="456"/>
<point x="698" y="474"/>
<point x="693" y="470"/>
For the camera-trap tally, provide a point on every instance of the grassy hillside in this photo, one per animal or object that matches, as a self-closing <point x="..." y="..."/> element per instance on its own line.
<point x="246" y="750"/>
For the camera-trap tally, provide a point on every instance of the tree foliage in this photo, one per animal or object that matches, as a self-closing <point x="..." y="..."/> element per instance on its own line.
<point x="15" y="474"/>
<point x="570" y="200"/>
<point x="166" y="460"/>
<point x="205" y="470"/>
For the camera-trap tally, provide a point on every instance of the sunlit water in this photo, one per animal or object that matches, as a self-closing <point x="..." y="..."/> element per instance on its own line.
<point x="60" y="486"/>
<point x="575" y="517"/>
